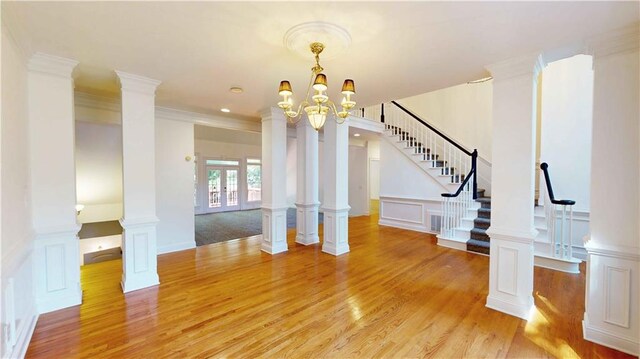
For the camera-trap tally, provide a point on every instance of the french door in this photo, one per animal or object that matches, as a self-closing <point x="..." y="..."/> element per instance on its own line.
<point x="222" y="186"/>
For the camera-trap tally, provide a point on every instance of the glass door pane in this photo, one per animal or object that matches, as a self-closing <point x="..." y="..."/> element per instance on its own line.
<point x="215" y="184"/>
<point x="232" y="187"/>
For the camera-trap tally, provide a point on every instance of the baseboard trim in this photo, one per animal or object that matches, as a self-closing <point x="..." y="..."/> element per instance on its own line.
<point x="176" y="247"/>
<point x="516" y="310"/>
<point x="402" y="225"/>
<point x="610" y="340"/>
<point x="24" y="338"/>
<point x="452" y="243"/>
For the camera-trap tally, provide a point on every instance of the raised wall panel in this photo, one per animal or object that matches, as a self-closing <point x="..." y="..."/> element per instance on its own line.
<point x="617" y="289"/>
<point x="508" y="267"/>
<point x="55" y="265"/>
<point x="141" y="252"/>
<point x="408" y="213"/>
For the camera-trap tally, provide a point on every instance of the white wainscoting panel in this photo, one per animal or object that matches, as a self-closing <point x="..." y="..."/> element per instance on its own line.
<point x="612" y="316"/>
<point x="408" y="213"/>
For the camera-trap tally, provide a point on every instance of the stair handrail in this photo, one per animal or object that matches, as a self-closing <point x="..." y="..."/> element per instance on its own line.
<point x="562" y="248"/>
<point x="472" y="172"/>
<point x="564" y="202"/>
<point x="415" y="117"/>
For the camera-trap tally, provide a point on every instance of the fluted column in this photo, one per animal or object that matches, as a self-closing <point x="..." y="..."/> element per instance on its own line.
<point x="139" y="243"/>
<point x="274" y="181"/>
<point x="53" y="182"/>
<point x="512" y="231"/>
<point x="307" y="184"/>
<point x="336" y="188"/>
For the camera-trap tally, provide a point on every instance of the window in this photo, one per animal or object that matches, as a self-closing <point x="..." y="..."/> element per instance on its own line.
<point x="254" y="180"/>
<point x="223" y="163"/>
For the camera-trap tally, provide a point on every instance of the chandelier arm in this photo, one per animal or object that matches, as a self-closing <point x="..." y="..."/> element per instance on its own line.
<point x="313" y="75"/>
<point x="337" y="117"/>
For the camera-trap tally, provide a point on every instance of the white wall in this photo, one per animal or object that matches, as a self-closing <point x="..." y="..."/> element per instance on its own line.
<point x="225" y="144"/>
<point x="565" y="141"/>
<point x="16" y="229"/>
<point x="462" y="112"/>
<point x="358" y="194"/>
<point x="174" y="185"/>
<point x="373" y="154"/>
<point x="99" y="171"/>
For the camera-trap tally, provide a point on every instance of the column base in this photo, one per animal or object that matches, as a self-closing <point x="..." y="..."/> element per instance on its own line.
<point x="57" y="269"/>
<point x="336" y="231"/>
<point x="274" y="230"/>
<point x="611" y="314"/>
<point x="511" y="272"/>
<point x="307" y="223"/>
<point x="139" y="254"/>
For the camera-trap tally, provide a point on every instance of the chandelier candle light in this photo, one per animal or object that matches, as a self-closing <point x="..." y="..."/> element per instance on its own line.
<point x="319" y="106"/>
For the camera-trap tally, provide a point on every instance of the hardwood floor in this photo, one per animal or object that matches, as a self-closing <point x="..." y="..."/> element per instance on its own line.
<point x="396" y="294"/>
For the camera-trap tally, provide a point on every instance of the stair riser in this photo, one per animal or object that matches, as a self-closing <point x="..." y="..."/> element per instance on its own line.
<point x="481" y="225"/>
<point x="486" y="205"/>
<point x="479" y="237"/>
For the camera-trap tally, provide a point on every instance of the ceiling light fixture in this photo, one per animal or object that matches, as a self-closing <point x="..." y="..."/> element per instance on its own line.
<point x="236" y="90"/>
<point x="319" y="107"/>
<point x="356" y="135"/>
<point x="225" y="110"/>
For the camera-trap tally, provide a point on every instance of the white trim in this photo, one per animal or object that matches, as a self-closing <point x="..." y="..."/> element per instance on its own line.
<point x="530" y="64"/>
<point x="228" y="123"/>
<point x="366" y="124"/>
<point x="24" y="337"/>
<point x="521" y="311"/>
<point x="137" y="83"/>
<point x="616" y="41"/>
<point x="615" y="341"/>
<point x="613" y="251"/>
<point x="51" y="65"/>
<point x="176" y="247"/>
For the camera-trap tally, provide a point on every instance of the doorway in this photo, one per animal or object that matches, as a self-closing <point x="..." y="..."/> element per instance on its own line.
<point x="222" y="187"/>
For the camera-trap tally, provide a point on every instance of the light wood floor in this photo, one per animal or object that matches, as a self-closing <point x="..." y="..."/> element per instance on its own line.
<point x="396" y="294"/>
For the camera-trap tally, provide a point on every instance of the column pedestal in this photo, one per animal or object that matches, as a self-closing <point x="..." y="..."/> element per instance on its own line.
<point x="336" y="231"/>
<point x="307" y="223"/>
<point x="139" y="254"/>
<point x="274" y="230"/>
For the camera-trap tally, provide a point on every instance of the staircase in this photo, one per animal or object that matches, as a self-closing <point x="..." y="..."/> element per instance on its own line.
<point x="479" y="240"/>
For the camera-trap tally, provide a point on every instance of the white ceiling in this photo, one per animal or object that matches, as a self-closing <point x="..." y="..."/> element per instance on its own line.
<point x="200" y="49"/>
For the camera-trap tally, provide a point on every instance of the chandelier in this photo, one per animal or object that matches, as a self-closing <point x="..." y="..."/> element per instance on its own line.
<point x="316" y="105"/>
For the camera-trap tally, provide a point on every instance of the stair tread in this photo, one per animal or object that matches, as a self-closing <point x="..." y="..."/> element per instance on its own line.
<point x="484" y="199"/>
<point x="478" y="243"/>
<point x="484" y="209"/>
<point x="482" y="220"/>
<point x="479" y="231"/>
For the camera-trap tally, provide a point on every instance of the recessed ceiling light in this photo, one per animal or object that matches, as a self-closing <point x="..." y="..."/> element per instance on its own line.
<point x="236" y="89"/>
<point x="225" y="110"/>
<point x="356" y="135"/>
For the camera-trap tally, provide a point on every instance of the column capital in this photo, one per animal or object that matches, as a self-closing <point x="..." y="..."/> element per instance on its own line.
<point x="51" y="65"/>
<point x="272" y="114"/>
<point x="530" y="64"/>
<point x="137" y="83"/>
<point x="616" y="41"/>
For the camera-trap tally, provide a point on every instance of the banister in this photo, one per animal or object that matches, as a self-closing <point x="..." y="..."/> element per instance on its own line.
<point x="415" y="117"/>
<point x="565" y="202"/>
<point x="474" y="156"/>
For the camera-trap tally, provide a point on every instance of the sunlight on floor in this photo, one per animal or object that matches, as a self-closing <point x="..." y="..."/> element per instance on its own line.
<point x="538" y="330"/>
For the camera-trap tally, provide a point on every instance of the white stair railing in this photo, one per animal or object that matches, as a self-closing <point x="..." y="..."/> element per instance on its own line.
<point x="556" y="210"/>
<point x="455" y="206"/>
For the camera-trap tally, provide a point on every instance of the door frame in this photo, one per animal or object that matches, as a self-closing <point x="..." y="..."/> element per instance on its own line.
<point x="204" y="207"/>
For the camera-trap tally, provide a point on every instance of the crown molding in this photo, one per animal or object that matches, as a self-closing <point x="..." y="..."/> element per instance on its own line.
<point x="530" y="64"/>
<point x="84" y="99"/>
<point x="617" y="41"/>
<point x="272" y="113"/>
<point x="51" y="65"/>
<point x="5" y="20"/>
<point x="137" y="83"/>
<point x="208" y="120"/>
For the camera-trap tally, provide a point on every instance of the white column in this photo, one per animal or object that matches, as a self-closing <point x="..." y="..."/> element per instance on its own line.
<point x="336" y="188"/>
<point x="139" y="247"/>
<point x="612" y="315"/>
<point x="513" y="187"/>
<point x="53" y="182"/>
<point x="307" y="184"/>
<point x="274" y="181"/>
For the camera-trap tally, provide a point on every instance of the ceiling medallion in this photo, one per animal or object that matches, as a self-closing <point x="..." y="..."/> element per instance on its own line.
<point x="336" y="40"/>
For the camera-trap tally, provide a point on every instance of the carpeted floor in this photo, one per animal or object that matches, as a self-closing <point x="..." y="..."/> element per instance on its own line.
<point x="220" y="227"/>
